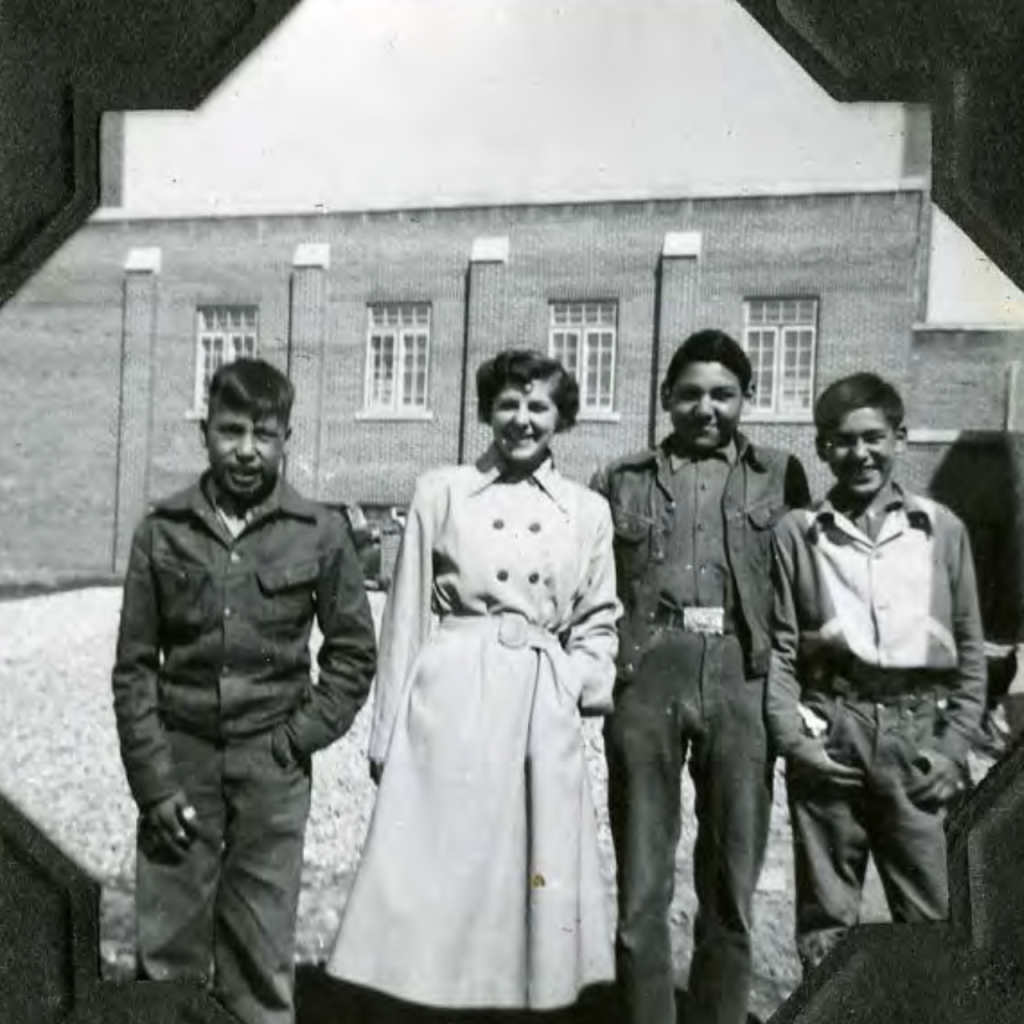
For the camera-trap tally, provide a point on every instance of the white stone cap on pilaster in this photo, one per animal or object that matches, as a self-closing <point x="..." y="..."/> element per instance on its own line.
<point x="143" y="261"/>
<point x="312" y="255"/>
<point x="682" y="244"/>
<point x="490" y="250"/>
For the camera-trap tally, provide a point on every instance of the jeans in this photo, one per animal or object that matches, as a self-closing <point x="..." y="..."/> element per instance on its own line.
<point x="835" y="832"/>
<point x="689" y="700"/>
<point x="230" y="903"/>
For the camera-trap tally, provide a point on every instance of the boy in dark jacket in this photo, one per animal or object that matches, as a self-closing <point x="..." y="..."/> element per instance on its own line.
<point x="215" y="710"/>
<point x="877" y="680"/>
<point x="693" y="520"/>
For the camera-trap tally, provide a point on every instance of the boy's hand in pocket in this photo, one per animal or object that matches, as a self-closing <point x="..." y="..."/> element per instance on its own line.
<point x="811" y="764"/>
<point x="938" y="779"/>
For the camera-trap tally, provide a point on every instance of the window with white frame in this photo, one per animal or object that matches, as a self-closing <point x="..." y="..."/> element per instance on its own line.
<point x="583" y="338"/>
<point x="223" y="334"/>
<point x="397" y="357"/>
<point x="780" y="336"/>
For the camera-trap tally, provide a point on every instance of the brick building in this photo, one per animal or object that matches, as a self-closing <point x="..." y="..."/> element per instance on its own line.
<point x="382" y="317"/>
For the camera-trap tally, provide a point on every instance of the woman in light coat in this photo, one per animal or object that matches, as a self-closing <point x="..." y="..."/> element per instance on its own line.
<point x="480" y="884"/>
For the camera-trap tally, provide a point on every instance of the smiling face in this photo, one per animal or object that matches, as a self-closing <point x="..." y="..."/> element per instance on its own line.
<point x="861" y="451"/>
<point x="245" y="454"/>
<point x="705" y="402"/>
<point x="524" y="420"/>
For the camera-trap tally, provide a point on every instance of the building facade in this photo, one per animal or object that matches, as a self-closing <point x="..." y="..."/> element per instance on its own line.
<point x="382" y="318"/>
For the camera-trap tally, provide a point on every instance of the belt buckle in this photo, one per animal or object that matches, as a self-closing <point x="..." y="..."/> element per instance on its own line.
<point x="512" y="631"/>
<point x="704" y="620"/>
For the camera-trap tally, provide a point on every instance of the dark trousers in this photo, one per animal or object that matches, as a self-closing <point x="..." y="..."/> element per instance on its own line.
<point x="835" y="832"/>
<point x="226" y="911"/>
<point x="688" y="700"/>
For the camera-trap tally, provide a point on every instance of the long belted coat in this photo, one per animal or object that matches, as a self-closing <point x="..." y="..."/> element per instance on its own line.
<point x="480" y="883"/>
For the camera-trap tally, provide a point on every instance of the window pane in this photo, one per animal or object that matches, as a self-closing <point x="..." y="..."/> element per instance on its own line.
<point x="565" y="347"/>
<point x="797" y="362"/>
<point x="582" y="337"/>
<point x="414" y="370"/>
<point x="600" y="369"/>
<point x="382" y="369"/>
<point x="398" y="349"/>
<point x="224" y="333"/>
<point x="761" y="351"/>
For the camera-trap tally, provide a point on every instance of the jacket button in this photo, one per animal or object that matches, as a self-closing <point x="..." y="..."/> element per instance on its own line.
<point x="502" y="575"/>
<point x="499" y="524"/>
<point x="534" y="577"/>
<point x="534" y="527"/>
<point x="235" y="556"/>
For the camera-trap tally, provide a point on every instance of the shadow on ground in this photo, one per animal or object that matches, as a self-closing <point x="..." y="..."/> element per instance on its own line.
<point x="321" y="999"/>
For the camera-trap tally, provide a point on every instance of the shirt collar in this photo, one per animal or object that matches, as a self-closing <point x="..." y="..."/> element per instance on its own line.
<point x="197" y="499"/>
<point x="729" y="454"/>
<point x="545" y="476"/>
<point x="742" y="449"/>
<point x="918" y="516"/>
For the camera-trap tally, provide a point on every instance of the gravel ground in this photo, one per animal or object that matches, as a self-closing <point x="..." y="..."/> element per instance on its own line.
<point x="61" y="765"/>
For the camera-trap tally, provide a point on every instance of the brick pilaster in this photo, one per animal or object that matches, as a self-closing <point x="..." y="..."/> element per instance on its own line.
<point x="135" y="412"/>
<point x="678" y="282"/>
<point x="306" y="352"/>
<point x="486" y="324"/>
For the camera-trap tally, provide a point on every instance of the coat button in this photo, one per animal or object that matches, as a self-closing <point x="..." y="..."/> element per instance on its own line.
<point x="499" y="524"/>
<point x="534" y="577"/>
<point x="235" y="556"/>
<point x="534" y="527"/>
<point x="502" y="575"/>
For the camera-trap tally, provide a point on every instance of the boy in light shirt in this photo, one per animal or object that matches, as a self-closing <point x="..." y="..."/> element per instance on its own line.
<point x="876" y="684"/>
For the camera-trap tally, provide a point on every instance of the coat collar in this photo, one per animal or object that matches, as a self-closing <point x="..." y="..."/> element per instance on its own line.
<point x="487" y="471"/>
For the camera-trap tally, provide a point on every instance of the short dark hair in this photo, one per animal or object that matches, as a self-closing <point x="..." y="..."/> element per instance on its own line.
<point x="710" y="346"/>
<point x="252" y="386"/>
<point x="519" y="367"/>
<point x="857" y="391"/>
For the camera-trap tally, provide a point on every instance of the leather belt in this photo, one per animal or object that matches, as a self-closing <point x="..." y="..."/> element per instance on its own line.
<point x="901" y="686"/>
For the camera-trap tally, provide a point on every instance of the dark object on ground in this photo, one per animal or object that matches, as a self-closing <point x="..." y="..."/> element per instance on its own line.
<point x="322" y="999"/>
<point x="366" y="538"/>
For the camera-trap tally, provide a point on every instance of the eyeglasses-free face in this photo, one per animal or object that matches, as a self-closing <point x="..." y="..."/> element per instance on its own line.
<point x="524" y="421"/>
<point x="705" y="402"/>
<point x="245" y="454"/>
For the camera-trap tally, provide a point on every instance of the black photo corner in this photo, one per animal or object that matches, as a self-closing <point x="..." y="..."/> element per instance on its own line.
<point x="64" y="65"/>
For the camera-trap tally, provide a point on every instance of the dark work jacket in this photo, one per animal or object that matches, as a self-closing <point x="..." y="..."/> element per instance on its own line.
<point x="214" y="633"/>
<point x="762" y="485"/>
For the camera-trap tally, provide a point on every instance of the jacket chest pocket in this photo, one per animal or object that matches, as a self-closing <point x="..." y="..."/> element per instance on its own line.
<point x="184" y="593"/>
<point x="760" y="521"/>
<point x="633" y="534"/>
<point x="286" y="593"/>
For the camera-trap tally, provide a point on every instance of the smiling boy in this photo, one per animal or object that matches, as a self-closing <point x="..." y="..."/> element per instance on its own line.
<point x="877" y="679"/>
<point x="693" y="520"/>
<point x="216" y="713"/>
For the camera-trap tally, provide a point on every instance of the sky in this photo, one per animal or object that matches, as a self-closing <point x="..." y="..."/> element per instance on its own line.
<point x="362" y="104"/>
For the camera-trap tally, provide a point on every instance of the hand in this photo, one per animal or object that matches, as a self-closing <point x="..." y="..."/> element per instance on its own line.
<point x="812" y="764"/>
<point x="940" y="779"/>
<point x="813" y="724"/>
<point x="172" y="823"/>
<point x="281" y="748"/>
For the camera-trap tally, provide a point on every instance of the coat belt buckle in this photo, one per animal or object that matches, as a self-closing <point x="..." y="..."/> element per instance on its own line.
<point x="704" y="620"/>
<point x="513" y="631"/>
